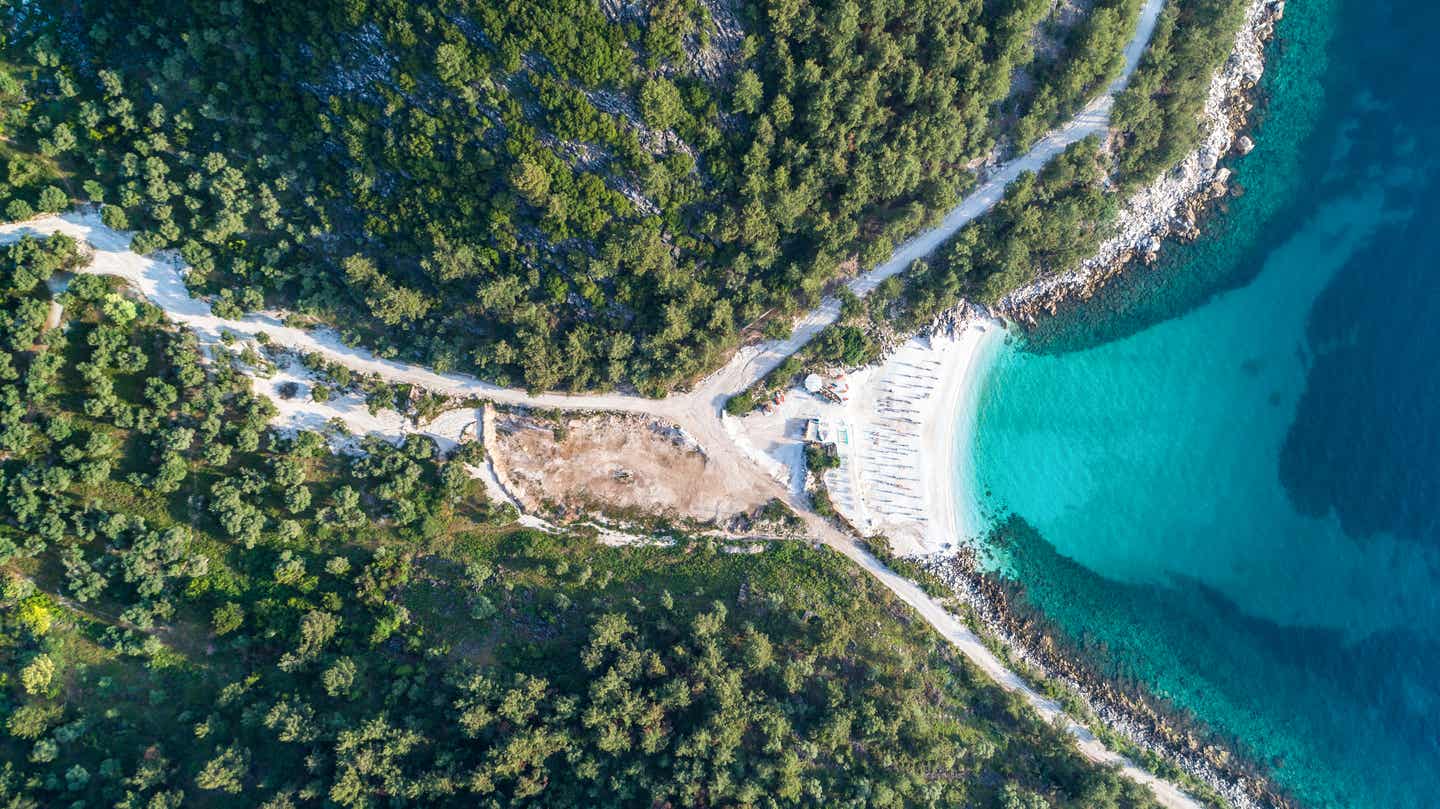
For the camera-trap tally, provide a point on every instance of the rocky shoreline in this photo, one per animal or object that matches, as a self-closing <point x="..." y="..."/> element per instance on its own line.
<point x="1173" y="204"/>
<point x="1135" y="716"/>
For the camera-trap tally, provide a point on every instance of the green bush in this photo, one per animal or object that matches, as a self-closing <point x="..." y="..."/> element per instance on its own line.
<point x="17" y="210"/>
<point x="820" y="457"/>
<point x="740" y="404"/>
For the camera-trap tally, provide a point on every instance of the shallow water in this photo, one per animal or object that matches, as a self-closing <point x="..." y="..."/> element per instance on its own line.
<point x="1231" y="463"/>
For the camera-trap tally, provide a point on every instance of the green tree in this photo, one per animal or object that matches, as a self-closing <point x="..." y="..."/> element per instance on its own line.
<point x="226" y="771"/>
<point x="37" y="675"/>
<point x="660" y="104"/>
<point x="749" y="93"/>
<point x="227" y="618"/>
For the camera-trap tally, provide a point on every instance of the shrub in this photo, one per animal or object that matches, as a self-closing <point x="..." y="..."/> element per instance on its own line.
<point x="740" y="404"/>
<point x="18" y="210"/>
<point x="113" y="217"/>
<point x="54" y="200"/>
<point x="820" y="457"/>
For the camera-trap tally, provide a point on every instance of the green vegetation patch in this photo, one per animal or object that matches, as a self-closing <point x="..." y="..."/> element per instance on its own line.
<point x="551" y="194"/>
<point x="196" y="610"/>
<point x="1158" y="115"/>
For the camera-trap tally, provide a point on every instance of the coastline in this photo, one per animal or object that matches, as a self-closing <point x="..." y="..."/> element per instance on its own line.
<point x="1137" y="718"/>
<point x="953" y="352"/>
<point x="1172" y="204"/>
<point x="1167" y="207"/>
<point x="948" y="431"/>
<point x="934" y="429"/>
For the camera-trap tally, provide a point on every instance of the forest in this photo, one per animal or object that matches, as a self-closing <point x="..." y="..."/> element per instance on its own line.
<point x="1046" y="222"/>
<point x="196" y="610"/>
<point x="1157" y="114"/>
<point x="559" y="194"/>
<point x="1050" y="220"/>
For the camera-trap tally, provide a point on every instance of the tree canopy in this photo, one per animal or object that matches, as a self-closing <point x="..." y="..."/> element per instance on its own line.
<point x="198" y="610"/>
<point x="554" y="194"/>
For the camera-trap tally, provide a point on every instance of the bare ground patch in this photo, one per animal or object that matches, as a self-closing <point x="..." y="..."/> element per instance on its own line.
<point x="619" y="464"/>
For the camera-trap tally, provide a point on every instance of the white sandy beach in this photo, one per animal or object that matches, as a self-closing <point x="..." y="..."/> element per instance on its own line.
<point x="904" y="437"/>
<point x="947" y="462"/>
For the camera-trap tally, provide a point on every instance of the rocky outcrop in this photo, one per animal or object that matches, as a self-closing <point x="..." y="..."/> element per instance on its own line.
<point x="1126" y="710"/>
<point x="1171" y="205"/>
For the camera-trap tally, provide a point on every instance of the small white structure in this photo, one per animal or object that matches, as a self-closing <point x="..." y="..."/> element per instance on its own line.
<point x="830" y="431"/>
<point x="814" y="383"/>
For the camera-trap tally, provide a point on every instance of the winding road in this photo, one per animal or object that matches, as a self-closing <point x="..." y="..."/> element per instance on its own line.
<point x="701" y="411"/>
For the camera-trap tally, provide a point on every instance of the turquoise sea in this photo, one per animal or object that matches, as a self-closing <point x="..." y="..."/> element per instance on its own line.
<point x="1221" y="479"/>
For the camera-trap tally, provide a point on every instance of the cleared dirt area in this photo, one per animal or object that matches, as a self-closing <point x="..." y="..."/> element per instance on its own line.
<point x="618" y="464"/>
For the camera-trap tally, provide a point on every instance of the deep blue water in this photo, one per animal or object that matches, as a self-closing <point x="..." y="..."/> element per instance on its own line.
<point x="1226" y="470"/>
